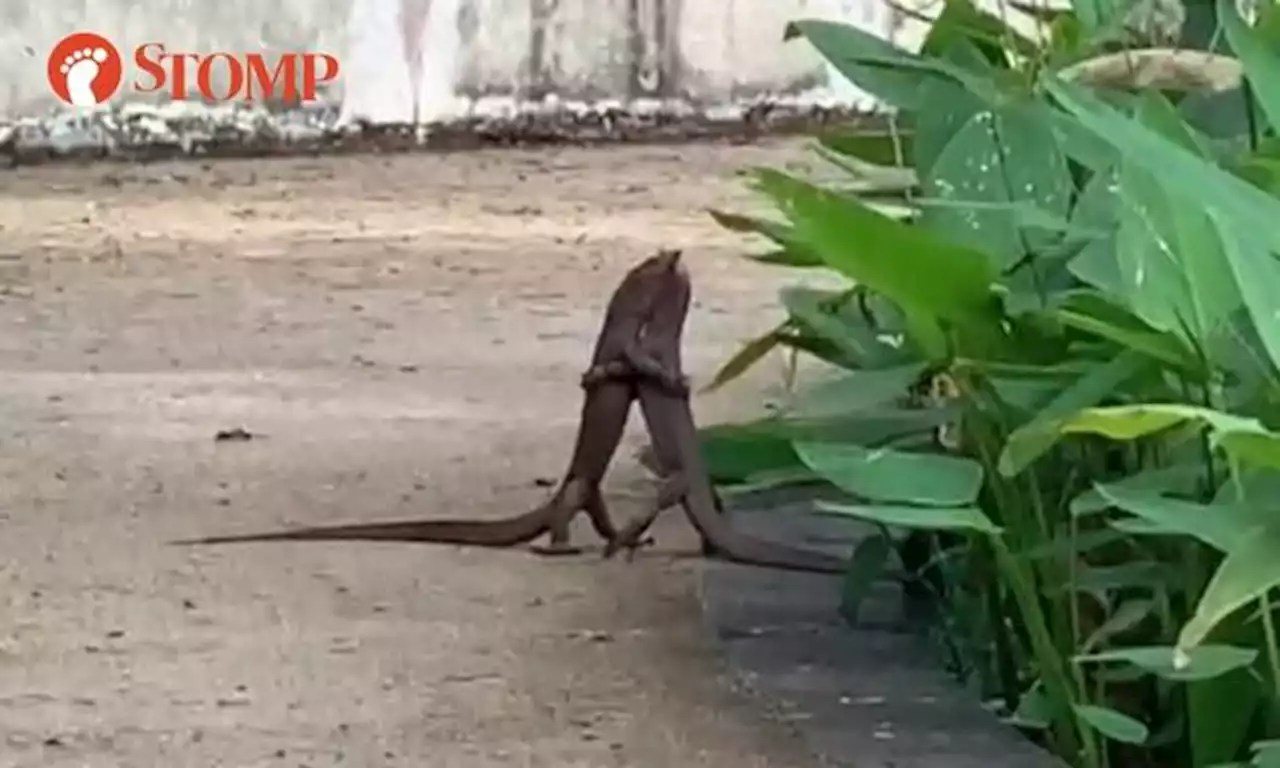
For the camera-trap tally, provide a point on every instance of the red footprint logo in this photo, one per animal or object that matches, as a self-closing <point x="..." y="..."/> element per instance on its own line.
<point x="84" y="69"/>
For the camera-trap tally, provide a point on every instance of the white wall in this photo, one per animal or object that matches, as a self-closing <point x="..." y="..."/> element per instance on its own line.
<point x="444" y="57"/>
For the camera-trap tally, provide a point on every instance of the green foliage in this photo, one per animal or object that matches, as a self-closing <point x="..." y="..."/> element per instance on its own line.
<point x="1056" y="370"/>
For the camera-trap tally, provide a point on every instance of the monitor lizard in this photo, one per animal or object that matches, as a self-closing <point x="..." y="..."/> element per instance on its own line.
<point x="605" y="410"/>
<point x="677" y="452"/>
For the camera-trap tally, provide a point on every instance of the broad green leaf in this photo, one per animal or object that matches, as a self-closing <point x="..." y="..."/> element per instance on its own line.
<point x="1173" y="267"/>
<point x="1258" y="448"/>
<point x="1256" y="273"/>
<point x="1262" y="172"/>
<point x="884" y="70"/>
<point x="1129" y="422"/>
<point x="887" y="148"/>
<point x="1130" y="614"/>
<point x="997" y="158"/>
<point x="1025" y="214"/>
<point x="1079" y="143"/>
<point x="1031" y="441"/>
<point x="1159" y="114"/>
<point x="1033" y="709"/>
<point x="925" y="335"/>
<point x="1091" y="312"/>
<point x="1220" y="191"/>
<point x="795" y="253"/>
<point x="1221" y="711"/>
<point x="1096" y="209"/>
<point x="770" y="480"/>
<point x="866" y="565"/>
<point x="1243" y="214"/>
<point x="1180" y="478"/>
<point x="1249" y="570"/>
<point x="1204" y="662"/>
<point x="1029" y="395"/>
<point x="748" y="355"/>
<point x="885" y="475"/>
<point x="1243" y="438"/>
<point x="1096" y="15"/>
<point x="1135" y="526"/>
<point x="936" y="127"/>
<point x="736" y="452"/>
<point x="834" y="317"/>
<point x="1116" y="726"/>
<point x="810" y="343"/>
<point x="1066" y="43"/>
<point x="1259" y="56"/>
<point x="928" y="518"/>
<point x="856" y="390"/>
<point x="782" y="257"/>
<point x="1254" y="484"/>
<point x="1220" y="526"/>
<point x="885" y="185"/>
<point x="885" y="255"/>
<point x="961" y="20"/>
<point x="875" y="65"/>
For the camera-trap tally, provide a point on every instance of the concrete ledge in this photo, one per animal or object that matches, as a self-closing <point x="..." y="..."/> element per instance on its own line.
<point x="145" y="133"/>
<point x="870" y="696"/>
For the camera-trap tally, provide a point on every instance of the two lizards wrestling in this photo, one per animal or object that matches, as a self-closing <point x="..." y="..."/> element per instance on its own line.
<point x="637" y="357"/>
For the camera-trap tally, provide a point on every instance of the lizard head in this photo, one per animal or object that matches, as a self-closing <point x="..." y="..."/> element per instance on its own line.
<point x="666" y="259"/>
<point x="663" y="264"/>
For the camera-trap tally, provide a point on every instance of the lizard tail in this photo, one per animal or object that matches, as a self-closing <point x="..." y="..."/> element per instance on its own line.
<point x="507" y="532"/>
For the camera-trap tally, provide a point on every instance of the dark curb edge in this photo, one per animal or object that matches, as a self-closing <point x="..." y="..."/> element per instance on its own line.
<point x="601" y="127"/>
<point x="870" y="696"/>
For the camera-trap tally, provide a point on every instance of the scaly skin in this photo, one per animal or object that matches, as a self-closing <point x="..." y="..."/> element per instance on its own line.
<point x="676" y="450"/>
<point x="604" y="416"/>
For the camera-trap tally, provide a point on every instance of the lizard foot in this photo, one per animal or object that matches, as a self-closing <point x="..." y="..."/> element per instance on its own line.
<point x="636" y="546"/>
<point x="631" y="543"/>
<point x="555" y="549"/>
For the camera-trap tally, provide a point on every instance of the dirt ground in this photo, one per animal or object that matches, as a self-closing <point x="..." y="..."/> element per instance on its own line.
<point x="404" y="334"/>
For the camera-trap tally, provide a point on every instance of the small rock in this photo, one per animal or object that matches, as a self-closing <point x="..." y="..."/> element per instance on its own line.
<point x="235" y="434"/>
<point x="235" y="700"/>
<point x="593" y="635"/>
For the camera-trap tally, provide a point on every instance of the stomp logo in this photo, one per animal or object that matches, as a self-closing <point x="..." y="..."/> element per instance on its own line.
<point x="85" y="69"/>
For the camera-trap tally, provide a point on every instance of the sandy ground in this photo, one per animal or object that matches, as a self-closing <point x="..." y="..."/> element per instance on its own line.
<point x="404" y="334"/>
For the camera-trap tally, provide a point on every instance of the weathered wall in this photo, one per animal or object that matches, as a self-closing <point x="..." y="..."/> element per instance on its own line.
<point x="29" y="29"/>
<point x="440" y="58"/>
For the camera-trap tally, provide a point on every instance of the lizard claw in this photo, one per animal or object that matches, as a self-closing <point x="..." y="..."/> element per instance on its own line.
<point x="555" y="550"/>
<point x="629" y="543"/>
<point x="599" y="374"/>
<point x="647" y="541"/>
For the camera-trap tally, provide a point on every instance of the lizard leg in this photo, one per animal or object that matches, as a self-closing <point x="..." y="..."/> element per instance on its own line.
<point x="561" y="511"/>
<point x="600" y="520"/>
<point x="632" y="537"/>
<point x="598" y="514"/>
<point x="709" y="549"/>
<point x="557" y="546"/>
<point x="635" y="364"/>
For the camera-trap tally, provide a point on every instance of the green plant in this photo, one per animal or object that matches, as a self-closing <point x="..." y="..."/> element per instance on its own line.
<point x="1058" y="393"/>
